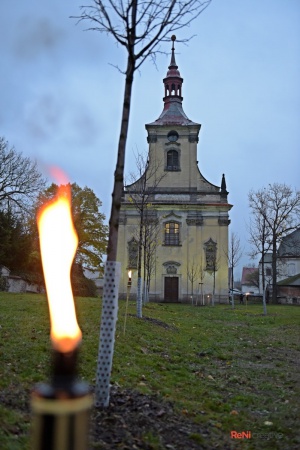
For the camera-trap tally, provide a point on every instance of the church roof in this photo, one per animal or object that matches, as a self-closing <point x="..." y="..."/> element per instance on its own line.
<point x="173" y="113"/>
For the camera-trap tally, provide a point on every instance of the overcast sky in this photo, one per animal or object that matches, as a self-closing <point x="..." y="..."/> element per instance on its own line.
<point x="61" y="97"/>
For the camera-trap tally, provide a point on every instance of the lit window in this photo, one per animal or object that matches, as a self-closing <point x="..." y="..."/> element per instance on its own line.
<point x="171" y="233"/>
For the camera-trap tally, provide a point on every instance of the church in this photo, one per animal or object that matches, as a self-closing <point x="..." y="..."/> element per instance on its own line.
<point x="185" y="218"/>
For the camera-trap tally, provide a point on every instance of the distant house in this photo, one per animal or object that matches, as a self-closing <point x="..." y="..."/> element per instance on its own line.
<point x="289" y="256"/>
<point x="249" y="275"/>
<point x="14" y="283"/>
<point x="288" y="263"/>
<point x="288" y="290"/>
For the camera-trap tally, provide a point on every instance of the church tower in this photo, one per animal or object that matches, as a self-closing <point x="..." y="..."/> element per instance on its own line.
<point x="185" y="218"/>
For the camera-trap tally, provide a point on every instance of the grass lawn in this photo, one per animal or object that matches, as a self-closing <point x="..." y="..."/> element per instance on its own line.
<point x="222" y="368"/>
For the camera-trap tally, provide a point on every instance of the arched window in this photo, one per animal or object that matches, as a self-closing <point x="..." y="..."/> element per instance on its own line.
<point x="172" y="160"/>
<point x="171" y="233"/>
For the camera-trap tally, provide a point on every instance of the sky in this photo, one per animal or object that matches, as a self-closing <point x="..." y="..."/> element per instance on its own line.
<point x="61" y="95"/>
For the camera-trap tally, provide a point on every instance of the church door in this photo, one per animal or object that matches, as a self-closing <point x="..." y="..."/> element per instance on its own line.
<point x="171" y="289"/>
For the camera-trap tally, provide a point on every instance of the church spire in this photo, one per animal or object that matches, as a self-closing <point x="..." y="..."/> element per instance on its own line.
<point x="173" y="81"/>
<point x="173" y="113"/>
<point x="224" y="191"/>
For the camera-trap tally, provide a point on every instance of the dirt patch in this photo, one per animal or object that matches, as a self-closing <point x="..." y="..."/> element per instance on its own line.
<point x="138" y="421"/>
<point x="232" y="324"/>
<point x="158" y="322"/>
<point x="133" y="421"/>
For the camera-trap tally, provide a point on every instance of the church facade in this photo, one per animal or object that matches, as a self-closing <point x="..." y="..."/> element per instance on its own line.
<point x="185" y="218"/>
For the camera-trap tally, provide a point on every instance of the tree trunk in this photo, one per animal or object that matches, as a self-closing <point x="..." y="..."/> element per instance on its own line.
<point x="214" y="288"/>
<point x="109" y="315"/>
<point x="263" y="284"/>
<point x="145" y="270"/>
<point x="139" y="286"/>
<point x="119" y="172"/>
<point x="232" y="294"/>
<point x="274" y="271"/>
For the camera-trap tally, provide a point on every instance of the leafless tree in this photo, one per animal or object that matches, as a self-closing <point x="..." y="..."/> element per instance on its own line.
<point x="140" y="193"/>
<point x="202" y="274"/>
<point x="214" y="269"/>
<point x="20" y="180"/>
<point x="233" y="255"/>
<point x="193" y="272"/>
<point x="260" y="240"/>
<point x="138" y="27"/>
<point x="279" y="206"/>
<point x="151" y="241"/>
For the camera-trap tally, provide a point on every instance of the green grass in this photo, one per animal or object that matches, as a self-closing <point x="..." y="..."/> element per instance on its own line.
<point x="227" y="369"/>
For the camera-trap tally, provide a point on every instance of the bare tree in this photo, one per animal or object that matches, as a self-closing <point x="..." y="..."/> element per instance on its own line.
<point x="260" y="239"/>
<point x="140" y="192"/>
<point x="20" y="180"/>
<point x="215" y="268"/>
<point x="202" y="274"/>
<point x="233" y="255"/>
<point x="138" y="27"/>
<point x="151" y="241"/>
<point x="279" y="206"/>
<point x="193" y="272"/>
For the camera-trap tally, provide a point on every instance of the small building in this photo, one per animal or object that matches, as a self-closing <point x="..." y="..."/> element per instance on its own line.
<point x="288" y="261"/>
<point x="289" y="256"/>
<point x="16" y="284"/>
<point x="288" y="290"/>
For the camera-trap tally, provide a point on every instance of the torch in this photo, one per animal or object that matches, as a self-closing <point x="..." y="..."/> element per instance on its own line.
<point x="127" y="298"/>
<point x="61" y="407"/>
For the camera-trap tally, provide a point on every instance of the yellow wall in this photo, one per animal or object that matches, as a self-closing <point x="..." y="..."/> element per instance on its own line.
<point x="177" y="194"/>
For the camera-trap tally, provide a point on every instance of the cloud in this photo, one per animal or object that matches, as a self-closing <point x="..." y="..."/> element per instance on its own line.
<point x="35" y="37"/>
<point x="54" y="113"/>
<point x="44" y="115"/>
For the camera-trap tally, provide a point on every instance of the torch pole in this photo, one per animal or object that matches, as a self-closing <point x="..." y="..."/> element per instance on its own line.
<point x="61" y="408"/>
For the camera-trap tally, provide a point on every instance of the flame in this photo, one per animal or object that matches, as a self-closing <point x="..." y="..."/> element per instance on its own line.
<point x="129" y="274"/>
<point x="58" y="243"/>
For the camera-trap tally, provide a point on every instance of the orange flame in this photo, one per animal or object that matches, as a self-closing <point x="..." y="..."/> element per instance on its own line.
<point x="58" y="243"/>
